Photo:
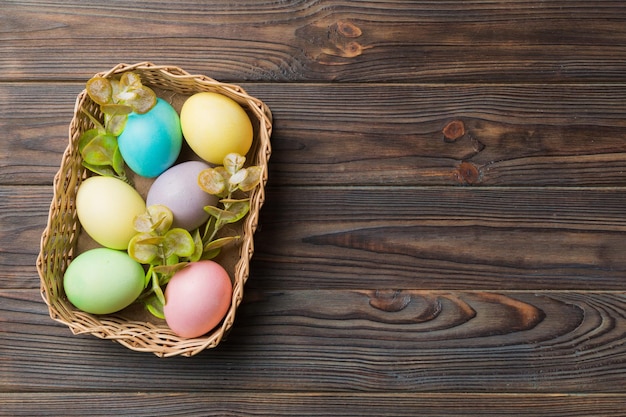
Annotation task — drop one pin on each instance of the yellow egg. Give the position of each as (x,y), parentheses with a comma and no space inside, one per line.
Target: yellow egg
(106,209)
(214,126)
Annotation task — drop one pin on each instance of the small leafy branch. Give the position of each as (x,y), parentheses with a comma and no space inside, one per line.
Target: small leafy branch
(166,250)
(117,98)
(226,182)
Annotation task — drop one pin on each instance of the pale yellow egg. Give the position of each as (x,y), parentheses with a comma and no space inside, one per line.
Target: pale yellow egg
(106,209)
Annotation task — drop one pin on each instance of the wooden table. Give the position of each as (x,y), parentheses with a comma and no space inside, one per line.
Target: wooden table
(445,226)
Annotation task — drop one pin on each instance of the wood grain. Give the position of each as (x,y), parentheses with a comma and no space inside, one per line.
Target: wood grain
(343,341)
(444,237)
(422,41)
(309,404)
(524,135)
(23,217)
(445,218)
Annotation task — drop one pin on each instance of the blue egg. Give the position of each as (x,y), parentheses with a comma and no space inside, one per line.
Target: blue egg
(151,142)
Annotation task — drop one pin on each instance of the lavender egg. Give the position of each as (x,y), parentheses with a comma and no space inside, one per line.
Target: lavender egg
(178,189)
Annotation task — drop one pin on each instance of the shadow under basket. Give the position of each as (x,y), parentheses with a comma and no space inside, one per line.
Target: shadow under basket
(62,239)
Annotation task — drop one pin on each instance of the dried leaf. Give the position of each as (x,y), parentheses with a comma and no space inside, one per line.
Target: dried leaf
(211,181)
(233,162)
(252,179)
(99,90)
(161,217)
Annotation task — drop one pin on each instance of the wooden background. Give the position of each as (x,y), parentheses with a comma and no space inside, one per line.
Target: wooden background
(399,269)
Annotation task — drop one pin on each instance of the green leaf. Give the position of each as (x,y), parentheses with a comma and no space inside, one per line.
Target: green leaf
(148,277)
(211,254)
(95,121)
(113,109)
(179,242)
(169,270)
(115,124)
(154,306)
(149,239)
(118,163)
(100,150)
(156,287)
(233,200)
(86,138)
(239,210)
(172,259)
(143,247)
(103,170)
(219,243)
(198,247)
(223,215)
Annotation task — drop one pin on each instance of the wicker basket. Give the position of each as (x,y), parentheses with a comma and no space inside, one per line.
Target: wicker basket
(62,239)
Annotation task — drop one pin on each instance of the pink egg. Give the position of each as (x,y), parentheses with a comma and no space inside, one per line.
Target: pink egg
(197,298)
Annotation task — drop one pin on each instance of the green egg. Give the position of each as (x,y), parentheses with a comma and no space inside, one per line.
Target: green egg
(103,281)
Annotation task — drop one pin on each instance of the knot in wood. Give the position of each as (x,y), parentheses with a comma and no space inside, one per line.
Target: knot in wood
(467,173)
(390,300)
(352,49)
(453,131)
(348,29)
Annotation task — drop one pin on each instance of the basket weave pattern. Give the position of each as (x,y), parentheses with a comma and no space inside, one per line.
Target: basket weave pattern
(59,239)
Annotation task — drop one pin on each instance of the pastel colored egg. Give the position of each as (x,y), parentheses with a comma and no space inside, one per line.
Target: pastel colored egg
(103,281)
(215,125)
(106,208)
(197,298)
(151,142)
(177,188)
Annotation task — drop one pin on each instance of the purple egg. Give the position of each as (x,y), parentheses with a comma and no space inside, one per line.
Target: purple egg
(178,189)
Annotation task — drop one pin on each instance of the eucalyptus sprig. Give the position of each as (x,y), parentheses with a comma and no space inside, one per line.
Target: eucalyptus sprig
(117,98)
(164,249)
(229,182)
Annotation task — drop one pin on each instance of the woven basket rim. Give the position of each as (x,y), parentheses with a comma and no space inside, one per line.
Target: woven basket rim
(59,237)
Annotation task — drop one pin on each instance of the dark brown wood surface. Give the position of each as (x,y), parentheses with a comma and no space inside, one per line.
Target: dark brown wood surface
(445,226)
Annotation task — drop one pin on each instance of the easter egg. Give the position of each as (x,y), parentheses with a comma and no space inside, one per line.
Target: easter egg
(151,142)
(214,126)
(177,188)
(103,281)
(106,208)
(197,298)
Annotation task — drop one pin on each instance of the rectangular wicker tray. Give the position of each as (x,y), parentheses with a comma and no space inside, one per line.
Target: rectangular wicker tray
(62,238)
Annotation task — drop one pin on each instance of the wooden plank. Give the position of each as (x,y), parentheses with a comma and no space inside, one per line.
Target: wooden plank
(35,120)
(403,237)
(308,404)
(23,217)
(422,41)
(441,238)
(526,135)
(345,341)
